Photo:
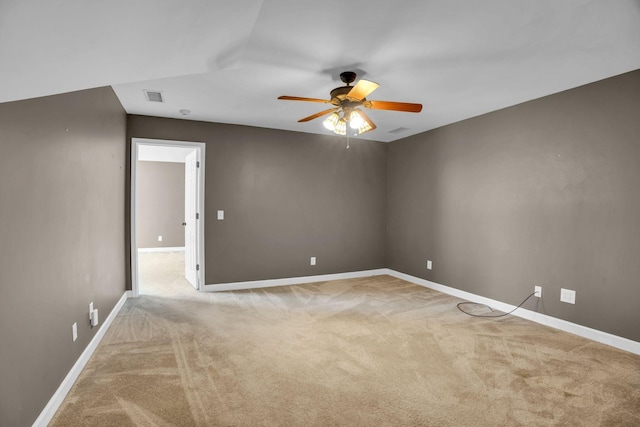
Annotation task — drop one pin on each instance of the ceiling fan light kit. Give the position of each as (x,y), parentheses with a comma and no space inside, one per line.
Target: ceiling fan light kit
(337,122)
(341,127)
(355,120)
(331,121)
(346,100)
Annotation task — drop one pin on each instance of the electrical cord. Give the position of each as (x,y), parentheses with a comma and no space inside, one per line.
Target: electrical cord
(485,315)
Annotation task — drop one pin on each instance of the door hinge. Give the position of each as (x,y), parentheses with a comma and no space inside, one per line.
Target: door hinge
(197,267)
(197,216)
(197,164)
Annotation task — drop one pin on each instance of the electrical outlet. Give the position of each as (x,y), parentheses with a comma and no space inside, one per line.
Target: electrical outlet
(159,238)
(90,310)
(568,296)
(429,265)
(94,318)
(74,331)
(313,260)
(538,291)
(220,215)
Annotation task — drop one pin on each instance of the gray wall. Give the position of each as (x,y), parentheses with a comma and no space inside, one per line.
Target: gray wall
(543,193)
(62,178)
(287,196)
(160,208)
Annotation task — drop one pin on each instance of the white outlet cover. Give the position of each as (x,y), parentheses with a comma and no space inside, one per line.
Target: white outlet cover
(74,331)
(94,317)
(220,215)
(313,260)
(538,291)
(159,238)
(568,296)
(429,265)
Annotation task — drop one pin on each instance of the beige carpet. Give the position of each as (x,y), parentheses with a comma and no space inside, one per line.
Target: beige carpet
(363,352)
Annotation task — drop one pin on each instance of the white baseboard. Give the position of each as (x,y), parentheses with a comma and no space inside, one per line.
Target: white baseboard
(254,284)
(563,325)
(56,400)
(593,334)
(167,249)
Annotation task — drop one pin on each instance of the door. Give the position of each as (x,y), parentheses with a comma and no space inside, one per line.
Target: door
(190,217)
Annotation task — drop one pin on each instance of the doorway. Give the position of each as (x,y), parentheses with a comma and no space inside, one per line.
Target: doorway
(191,155)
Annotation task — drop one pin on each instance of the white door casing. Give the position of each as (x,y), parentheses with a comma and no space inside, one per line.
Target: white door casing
(190,217)
(198,202)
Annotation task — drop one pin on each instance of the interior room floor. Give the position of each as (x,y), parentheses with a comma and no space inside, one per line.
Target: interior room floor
(162,274)
(358,352)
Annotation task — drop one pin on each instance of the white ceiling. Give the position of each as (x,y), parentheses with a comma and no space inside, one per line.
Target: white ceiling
(228,61)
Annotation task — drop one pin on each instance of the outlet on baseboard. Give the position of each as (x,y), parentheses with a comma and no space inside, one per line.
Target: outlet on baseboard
(538,291)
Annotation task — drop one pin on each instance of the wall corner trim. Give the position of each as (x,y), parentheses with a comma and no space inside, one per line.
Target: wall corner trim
(553,322)
(255,284)
(56,400)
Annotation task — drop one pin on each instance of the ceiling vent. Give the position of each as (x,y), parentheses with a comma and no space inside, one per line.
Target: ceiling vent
(398,130)
(153,95)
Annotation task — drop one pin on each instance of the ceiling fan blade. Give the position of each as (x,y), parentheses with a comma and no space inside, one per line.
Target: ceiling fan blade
(394,106)
(366,118)
(316,115)
(299,98)
(361,90)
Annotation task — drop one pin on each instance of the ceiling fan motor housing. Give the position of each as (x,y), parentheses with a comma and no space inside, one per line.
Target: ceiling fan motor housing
(341,92)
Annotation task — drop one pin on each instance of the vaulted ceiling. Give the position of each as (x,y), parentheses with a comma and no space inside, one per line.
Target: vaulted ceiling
(228,61)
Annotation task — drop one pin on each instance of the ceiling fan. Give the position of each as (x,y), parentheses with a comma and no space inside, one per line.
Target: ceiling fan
(347,101)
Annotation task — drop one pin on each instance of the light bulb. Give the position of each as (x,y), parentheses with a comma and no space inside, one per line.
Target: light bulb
(355,120)
(366,127)
(331,121)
